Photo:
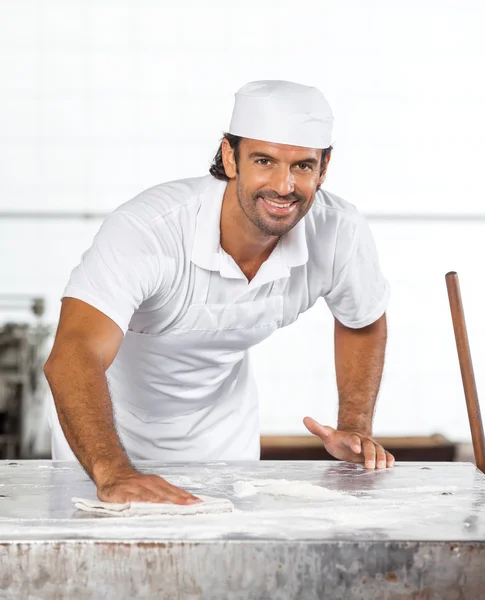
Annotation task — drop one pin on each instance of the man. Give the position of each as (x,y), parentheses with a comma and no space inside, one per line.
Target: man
(150,359)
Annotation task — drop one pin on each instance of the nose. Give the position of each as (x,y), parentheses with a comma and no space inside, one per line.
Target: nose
(283,182)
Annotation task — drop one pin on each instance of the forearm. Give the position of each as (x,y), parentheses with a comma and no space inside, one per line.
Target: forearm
(359,361)
(80,390)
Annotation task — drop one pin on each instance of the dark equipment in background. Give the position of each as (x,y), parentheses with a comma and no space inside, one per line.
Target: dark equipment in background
(23,393)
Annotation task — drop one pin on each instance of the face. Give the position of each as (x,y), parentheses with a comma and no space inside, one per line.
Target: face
(276,183)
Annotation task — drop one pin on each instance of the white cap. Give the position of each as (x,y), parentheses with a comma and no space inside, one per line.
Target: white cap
(282,112)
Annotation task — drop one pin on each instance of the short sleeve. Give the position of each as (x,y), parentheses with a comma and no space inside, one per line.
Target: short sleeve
(359,293)
(120,270)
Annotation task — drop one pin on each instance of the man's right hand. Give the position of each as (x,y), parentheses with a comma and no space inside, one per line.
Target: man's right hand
(131,486)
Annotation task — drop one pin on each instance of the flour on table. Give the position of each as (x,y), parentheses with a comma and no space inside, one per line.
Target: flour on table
(419,488)
(209,505)
(285,487)
(50,468)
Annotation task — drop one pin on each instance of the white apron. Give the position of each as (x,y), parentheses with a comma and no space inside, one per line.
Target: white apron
(188,393)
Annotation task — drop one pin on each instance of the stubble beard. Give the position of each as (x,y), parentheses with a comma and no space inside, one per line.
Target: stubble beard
(279,227)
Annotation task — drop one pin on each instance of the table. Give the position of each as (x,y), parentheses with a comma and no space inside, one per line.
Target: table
(414,531)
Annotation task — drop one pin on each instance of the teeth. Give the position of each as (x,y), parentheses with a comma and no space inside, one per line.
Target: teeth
(278,204)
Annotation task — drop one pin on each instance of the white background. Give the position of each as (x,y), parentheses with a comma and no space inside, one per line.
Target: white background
(102,99)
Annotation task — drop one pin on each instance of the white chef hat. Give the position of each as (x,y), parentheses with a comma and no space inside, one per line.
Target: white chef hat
(282,112)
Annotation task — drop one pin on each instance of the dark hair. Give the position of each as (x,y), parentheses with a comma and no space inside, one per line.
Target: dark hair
(217,167)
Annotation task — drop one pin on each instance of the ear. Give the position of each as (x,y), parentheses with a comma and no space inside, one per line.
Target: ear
(322,176)
(228,159)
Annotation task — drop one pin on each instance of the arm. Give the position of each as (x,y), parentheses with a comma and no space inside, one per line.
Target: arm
(359,361)
(86,344)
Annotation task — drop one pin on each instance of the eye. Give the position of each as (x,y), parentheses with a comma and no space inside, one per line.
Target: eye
(263,161)
(304,167)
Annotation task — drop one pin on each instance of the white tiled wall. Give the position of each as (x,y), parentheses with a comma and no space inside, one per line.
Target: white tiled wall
(101,99)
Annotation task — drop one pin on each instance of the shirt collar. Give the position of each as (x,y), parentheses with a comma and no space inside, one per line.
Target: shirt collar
(291,251)
(294,248)
(207,240)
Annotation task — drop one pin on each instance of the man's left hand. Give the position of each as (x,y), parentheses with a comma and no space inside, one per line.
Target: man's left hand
(351,445)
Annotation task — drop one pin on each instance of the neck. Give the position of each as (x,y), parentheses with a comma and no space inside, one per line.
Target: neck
(240,238)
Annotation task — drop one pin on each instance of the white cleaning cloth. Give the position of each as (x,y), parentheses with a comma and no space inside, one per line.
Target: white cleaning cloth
(139,509)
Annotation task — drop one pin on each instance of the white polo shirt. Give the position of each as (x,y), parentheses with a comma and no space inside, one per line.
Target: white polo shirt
(181,384)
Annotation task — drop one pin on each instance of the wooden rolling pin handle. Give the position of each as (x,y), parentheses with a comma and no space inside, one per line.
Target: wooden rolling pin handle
(466,368)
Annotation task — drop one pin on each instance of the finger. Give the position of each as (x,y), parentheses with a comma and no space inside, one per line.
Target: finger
(159,485)
(380,457)
(390,460)
(185,498)
(148,494)
(369,451)
(172,497)
(322,431)
(353,442)
(168,493)
(170,489)
(178,499)
(179,491)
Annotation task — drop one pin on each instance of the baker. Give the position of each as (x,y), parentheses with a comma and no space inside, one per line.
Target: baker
(150,359)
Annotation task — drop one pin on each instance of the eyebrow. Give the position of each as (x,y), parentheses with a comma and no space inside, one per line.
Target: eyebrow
(310,160)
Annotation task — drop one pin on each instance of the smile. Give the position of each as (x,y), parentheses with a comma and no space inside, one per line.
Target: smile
(279,203)
(278,208)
